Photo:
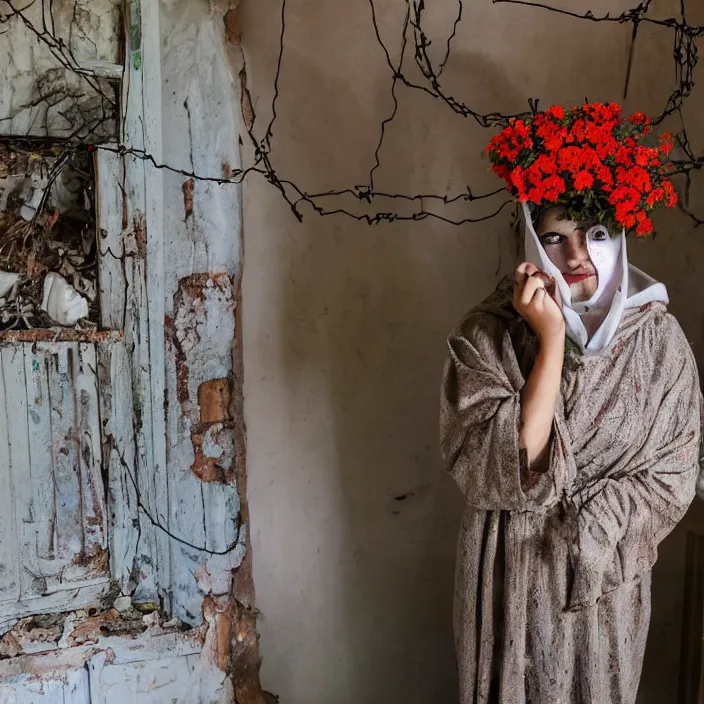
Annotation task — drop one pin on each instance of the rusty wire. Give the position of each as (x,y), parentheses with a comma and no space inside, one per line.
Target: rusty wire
(414,47)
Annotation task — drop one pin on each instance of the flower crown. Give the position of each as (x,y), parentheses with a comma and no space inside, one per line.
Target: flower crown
(589,159)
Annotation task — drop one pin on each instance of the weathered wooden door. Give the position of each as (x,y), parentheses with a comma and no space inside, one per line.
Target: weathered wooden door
(121,523)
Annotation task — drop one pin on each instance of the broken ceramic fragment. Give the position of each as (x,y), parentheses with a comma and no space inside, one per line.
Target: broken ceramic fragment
(62,302)
(7,280)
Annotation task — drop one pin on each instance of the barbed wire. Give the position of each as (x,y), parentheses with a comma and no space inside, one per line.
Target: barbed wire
(415,50)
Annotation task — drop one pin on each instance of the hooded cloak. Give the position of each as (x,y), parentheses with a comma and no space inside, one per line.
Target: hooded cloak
(552,591)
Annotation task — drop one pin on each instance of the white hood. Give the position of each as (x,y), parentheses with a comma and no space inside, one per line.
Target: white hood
(621,286)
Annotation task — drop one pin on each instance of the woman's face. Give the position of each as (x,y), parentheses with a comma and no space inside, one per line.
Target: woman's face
(565,242)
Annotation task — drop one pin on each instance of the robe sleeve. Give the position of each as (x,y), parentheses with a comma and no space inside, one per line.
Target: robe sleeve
(480,422)
(623,519)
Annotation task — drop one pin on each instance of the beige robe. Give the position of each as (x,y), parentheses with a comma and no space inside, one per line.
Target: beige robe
(552,595)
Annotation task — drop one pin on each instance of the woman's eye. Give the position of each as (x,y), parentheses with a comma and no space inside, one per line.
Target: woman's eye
(552,239)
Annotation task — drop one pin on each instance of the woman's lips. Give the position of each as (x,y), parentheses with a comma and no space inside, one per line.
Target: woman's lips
(576,278)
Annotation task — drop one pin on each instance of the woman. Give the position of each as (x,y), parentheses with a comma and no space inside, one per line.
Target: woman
(570,420)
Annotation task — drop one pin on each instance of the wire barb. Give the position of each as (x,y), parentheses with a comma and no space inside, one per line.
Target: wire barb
(412,38)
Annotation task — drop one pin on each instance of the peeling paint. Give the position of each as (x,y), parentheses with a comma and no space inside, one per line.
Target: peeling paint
(188,187)
(218,7)
(245,656)
(215,400)
(232,27)
(214,449)
(246,101)
(61,335)
(134,239)
(116,652)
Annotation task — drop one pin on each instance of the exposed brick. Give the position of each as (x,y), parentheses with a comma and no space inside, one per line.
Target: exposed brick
(214,399)
(232,27)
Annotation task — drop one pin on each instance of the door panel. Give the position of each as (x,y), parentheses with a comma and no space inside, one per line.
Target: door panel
(54,549)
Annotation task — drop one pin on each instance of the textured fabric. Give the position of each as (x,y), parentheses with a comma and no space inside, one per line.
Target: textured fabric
(552,600)
(621,286)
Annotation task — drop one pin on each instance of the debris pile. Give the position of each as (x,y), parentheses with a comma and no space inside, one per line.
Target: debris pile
(43,632)
(48,261)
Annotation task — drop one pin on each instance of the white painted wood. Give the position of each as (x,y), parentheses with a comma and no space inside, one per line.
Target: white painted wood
(171,680)
(113,284)
(101,69)
(50,438)
(152,668)
(47,692)
(89,28)
(199,133)
(9,545)
(152,558)
(68,518)
(170,492)
(154,216)
(206,511)
(119,458)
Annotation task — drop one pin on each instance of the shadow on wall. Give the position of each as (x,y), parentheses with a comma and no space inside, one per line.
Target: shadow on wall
(366,312)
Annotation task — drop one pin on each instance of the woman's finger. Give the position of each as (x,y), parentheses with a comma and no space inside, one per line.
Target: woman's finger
(523,271)
(531,286)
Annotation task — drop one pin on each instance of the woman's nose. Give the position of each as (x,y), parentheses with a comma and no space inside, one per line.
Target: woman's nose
(577,255)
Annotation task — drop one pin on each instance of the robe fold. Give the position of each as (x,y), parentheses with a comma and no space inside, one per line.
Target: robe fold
(552,590)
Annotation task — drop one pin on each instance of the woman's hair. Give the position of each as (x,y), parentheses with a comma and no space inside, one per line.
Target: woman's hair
(538,212)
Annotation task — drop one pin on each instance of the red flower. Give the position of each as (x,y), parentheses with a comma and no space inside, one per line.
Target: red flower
(607,147)
(603,173)
(520,129)
(629,221)
(655,196)
(553,136)
(645,227)
(623,156)
(554,188)
(644,155)
(535,195)
(588,149)
(626,196)
(583,180)
(502,171)
(518,179)
(639,118)
(579,130)
(670,193)
(636,176)
(556,112)
(570,159)
(546,164)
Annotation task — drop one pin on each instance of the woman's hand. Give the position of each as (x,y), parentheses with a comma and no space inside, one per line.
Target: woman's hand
(536,300)
(533,301)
